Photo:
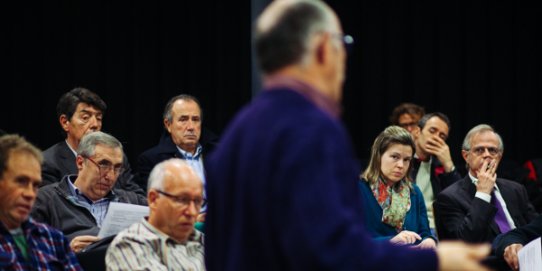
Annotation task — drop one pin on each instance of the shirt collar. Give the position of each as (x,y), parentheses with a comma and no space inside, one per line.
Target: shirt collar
(189,154)
(195,235)
(76,192)
(70,147)
(309,92)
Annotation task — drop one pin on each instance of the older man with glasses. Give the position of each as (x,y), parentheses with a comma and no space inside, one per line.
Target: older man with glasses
(77,205)
(481,206)
(166,239)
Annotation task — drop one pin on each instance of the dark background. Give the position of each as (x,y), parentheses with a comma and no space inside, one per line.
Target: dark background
(477,62)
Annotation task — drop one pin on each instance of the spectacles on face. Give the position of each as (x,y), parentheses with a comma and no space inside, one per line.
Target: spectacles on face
(106,166)
(481,150)
(183,201)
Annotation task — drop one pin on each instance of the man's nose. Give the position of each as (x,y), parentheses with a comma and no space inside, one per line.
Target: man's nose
(29,192)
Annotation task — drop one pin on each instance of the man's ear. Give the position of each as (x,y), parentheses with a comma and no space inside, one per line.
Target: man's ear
(465,155)
(167,124)
(152,196)
(323,47)
(64,122)
(79,162)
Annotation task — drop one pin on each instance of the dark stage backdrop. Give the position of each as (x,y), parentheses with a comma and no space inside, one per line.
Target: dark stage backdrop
(477,61)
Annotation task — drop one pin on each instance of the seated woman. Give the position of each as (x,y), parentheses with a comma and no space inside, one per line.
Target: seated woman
(393,204)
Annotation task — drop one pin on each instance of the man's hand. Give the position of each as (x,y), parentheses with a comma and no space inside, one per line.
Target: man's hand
(437,146)
(405,238)
(487,176)
(81,242)
(459,256)
(511,255)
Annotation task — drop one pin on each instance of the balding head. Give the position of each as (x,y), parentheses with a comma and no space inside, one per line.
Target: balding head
(175,196)
(284,30)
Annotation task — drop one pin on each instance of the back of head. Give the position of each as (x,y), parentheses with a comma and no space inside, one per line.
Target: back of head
(391,135)
(406,108)
(67,104)
(90,141)
(15,143)
(283,32)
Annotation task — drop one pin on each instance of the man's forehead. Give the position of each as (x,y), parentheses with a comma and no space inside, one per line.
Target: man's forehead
(103,151)
(88,108)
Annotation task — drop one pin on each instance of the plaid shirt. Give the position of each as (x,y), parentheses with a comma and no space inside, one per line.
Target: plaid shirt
(48,249)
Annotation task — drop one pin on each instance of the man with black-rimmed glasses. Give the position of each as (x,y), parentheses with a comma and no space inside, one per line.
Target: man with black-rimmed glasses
(77,205)
(166,239)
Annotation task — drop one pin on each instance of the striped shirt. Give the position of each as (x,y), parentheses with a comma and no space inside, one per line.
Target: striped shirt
(48,249)
(143,247)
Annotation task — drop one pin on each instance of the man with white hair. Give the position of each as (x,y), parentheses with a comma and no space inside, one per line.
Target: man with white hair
(166,239)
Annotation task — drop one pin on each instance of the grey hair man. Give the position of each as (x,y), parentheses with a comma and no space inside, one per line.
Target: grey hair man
(77,205)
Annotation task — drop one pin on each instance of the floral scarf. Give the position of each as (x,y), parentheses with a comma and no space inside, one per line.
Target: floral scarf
(394,200)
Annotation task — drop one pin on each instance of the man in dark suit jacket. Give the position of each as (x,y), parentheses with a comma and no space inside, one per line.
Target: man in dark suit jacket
(481,206)
(433,169)
(182,120)
(80,111)
(508,245)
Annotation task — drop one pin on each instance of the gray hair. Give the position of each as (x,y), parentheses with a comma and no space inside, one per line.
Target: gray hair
(185,97)
(283,33)
(158,173)
(89,141)
(480,128)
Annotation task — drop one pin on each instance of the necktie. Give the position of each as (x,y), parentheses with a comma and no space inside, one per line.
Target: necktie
(500,217)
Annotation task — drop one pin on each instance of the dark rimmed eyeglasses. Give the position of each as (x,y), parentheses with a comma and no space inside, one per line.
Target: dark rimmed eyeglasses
(183,201)
(106,166)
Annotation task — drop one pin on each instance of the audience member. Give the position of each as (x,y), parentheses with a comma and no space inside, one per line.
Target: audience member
(407,115)
(481,206)
(394,208)
(433,169)
(24,243)
(182,119)
(77,205)
(166,239)
(79,111)
(282,184)
(509,244)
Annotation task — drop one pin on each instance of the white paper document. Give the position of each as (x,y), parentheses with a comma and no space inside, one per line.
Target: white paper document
(530,256)
(120,216)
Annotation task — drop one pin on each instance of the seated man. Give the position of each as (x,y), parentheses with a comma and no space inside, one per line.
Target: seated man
(434,169)
(166,239)
(79,111)
(25,244)
(182,120)
(481,206)
(77,205)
